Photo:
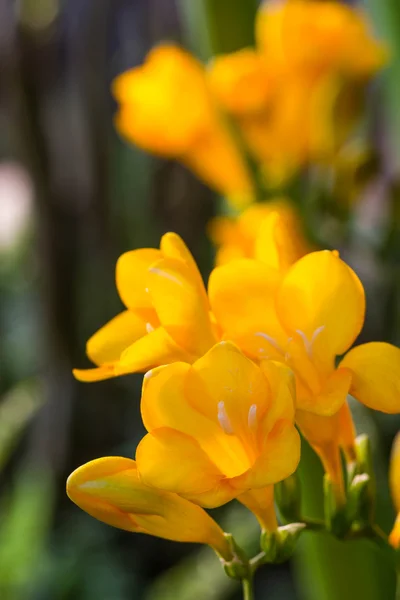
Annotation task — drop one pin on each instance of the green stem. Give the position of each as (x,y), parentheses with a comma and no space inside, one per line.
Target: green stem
(248,590)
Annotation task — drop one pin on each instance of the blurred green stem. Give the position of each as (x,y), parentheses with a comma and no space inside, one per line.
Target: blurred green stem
(248,591)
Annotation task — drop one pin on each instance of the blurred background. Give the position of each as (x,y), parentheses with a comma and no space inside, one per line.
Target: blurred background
(73,197)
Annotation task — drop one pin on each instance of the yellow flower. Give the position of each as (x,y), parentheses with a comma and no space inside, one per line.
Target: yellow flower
(218,428)
(297,96)
(318,38)
(269,232)
(166,108)
(305,319)
(109,489)
(167,316)
(394,482)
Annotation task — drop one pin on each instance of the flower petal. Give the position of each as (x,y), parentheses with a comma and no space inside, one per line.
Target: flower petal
(181,305)
(154,349)
(279,458)
(321,291)
(110,490)
(173,461)
(261,503)
(98,374)
(228,388)
(375,371)
(331,397)
(107,344)
(131,276)
(394,473)
(242,297)
(169,400)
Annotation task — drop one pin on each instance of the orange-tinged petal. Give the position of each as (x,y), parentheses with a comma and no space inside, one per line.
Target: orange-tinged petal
(275,243)
(394,472)
(173,461)
(110,490)
(331,397)
(241,81)
(394,537)
(322,433)
(226,385)
(347,433)
(279,458)
(98,374)
(242,299)
(261,503)
(169,400)
(375,369)
(154,349)
(283,393)
(181,305)
(108,343)
(320,293)
(131,276)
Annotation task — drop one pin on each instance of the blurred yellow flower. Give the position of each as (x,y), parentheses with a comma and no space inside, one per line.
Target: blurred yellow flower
(297,96)
(218,428)
(270,232)
(318,38)
(166,108)
(109,489)
(167,316)
(394,483)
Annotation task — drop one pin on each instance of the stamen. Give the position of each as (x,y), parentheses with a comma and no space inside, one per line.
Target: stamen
(252,417)
(224,419)
(308,344)
(166,275)
(270,340)
(149,327)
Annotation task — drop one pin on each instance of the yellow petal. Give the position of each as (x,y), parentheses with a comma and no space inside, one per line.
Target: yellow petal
(242,297)
(347,433)
(241,81)
(170,398)
(110,490)
(375,371)
(279,458)
(108,343)
(98,374)
(154,349)
(261,503)
(227,387)
(173,461)
(181,305)
(173,246)
(283,393)
(323,434)
(321,296)
(394,537)
(276,245)
(131,276)
(331,397)
(394,472)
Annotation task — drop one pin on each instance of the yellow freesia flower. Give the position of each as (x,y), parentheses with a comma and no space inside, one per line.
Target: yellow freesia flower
(218,428)
(297,96)
(318,38)
(306,319)
(167,316)
(269,232)
(166,108)
(394,484)
(109,489)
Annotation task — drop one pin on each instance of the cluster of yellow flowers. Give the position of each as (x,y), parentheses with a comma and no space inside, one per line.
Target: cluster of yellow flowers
(232,370)
(293,99)
(229,371)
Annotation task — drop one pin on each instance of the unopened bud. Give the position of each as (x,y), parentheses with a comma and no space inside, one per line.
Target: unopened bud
(336,520)
(288,498)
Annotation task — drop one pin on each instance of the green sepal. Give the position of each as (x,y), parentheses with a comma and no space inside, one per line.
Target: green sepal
(279,545)
(239,566)
(288,498)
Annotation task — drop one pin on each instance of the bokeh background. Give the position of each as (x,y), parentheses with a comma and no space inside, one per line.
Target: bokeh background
(73,197)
